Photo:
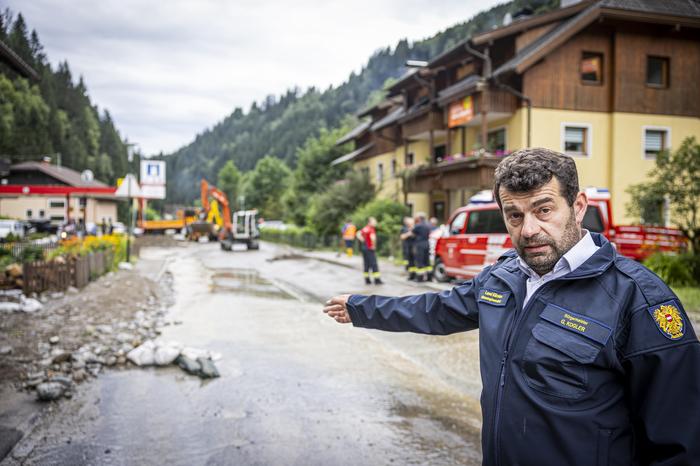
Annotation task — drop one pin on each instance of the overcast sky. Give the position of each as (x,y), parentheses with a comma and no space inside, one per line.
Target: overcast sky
(166,70)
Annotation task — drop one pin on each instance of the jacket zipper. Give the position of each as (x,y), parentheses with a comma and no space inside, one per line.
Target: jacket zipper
(504,360)
(502,377)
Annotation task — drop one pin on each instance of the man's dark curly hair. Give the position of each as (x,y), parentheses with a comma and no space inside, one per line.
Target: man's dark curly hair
(529,169)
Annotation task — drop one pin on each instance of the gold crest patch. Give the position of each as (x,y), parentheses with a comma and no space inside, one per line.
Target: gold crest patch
(668,319)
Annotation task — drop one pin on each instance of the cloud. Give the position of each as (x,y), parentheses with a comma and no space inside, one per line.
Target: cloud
(167,70)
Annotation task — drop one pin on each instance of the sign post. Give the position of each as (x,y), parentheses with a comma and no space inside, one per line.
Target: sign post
(153,179)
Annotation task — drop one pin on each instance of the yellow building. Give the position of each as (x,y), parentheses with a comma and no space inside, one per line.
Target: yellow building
(610,83)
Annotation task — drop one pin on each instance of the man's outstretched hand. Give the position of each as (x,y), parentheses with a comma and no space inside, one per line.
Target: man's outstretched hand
(337,309)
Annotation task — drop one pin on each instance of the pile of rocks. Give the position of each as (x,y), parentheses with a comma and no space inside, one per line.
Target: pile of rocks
(159,353)
(105,345)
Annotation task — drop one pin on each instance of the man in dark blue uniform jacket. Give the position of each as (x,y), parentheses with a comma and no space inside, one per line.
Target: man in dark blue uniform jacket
(587,358)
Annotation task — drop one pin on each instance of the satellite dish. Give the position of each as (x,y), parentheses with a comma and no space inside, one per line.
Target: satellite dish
(87,176)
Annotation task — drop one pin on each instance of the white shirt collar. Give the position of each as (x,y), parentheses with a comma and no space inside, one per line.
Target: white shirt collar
(571,260)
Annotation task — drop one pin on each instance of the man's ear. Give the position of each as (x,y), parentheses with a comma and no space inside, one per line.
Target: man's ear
(580,206)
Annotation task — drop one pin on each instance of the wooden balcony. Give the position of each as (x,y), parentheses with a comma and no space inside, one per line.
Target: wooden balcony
(418,125)
(474,172)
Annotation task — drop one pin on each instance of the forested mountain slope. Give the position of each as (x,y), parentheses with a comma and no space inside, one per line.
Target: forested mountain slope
(280,125)
(55,115)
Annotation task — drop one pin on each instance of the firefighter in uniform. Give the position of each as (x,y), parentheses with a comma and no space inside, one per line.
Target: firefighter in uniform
(368,243)
(586,356)
(349,231)
(421,244)
(407,238)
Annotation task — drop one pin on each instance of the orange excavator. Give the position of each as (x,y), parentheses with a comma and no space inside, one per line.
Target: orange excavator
(215,216)
(217,223)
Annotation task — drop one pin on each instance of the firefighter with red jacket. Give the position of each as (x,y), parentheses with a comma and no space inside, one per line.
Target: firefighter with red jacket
(368,244)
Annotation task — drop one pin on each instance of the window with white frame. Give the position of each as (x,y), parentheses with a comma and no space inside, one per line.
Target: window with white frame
(393,168)
(655,140)
(576,139)
(380,172)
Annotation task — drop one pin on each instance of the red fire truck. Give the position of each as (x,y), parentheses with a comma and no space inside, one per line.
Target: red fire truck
(476,235)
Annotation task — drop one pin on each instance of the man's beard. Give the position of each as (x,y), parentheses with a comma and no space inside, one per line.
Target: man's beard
(544,262)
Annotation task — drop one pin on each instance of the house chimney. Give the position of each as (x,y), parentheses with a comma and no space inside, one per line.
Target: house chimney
(507,19)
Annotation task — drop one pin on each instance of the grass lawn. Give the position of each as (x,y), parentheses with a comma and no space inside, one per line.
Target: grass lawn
(690,297)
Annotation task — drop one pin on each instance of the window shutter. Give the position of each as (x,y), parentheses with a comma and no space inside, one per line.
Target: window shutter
(573,134)
(653,141)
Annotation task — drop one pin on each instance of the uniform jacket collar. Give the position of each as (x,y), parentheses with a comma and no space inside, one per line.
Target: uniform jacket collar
(598,263)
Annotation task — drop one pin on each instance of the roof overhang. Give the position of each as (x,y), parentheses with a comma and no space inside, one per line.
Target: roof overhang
(16,62)
(529,23)
(386,103)
(351,155)
(29,190)
(566,30)
(393,117)
(356,132)
(461,88)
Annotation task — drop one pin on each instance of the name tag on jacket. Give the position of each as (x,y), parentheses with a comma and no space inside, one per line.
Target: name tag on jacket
(493,297)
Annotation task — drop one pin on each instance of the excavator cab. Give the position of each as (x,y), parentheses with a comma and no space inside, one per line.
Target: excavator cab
(244,229)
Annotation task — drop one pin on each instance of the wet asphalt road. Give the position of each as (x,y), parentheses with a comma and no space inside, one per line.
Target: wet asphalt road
(295,387)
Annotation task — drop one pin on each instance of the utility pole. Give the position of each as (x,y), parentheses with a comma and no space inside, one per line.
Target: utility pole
(130,159)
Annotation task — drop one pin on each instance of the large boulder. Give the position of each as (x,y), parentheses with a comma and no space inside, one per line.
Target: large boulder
(143,355)
(49,391)
(207,368)
(188,365)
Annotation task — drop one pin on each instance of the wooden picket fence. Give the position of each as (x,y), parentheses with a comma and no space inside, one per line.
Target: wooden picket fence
(58,276)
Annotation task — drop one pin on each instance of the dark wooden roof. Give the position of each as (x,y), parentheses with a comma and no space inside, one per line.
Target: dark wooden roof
(11,58)
(62,174)
(458,89)
(686,12)
(357,131)
(530,22)
(352,155)
(383,105)
(394,116)
(688,8)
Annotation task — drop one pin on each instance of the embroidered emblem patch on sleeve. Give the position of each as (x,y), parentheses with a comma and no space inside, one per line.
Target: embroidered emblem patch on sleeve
(668,319)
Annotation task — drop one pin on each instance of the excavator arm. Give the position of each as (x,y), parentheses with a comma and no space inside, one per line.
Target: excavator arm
(223,202)
(210,191)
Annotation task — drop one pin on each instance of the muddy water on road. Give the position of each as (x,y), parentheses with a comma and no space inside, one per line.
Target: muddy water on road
(245,282)
(295,388)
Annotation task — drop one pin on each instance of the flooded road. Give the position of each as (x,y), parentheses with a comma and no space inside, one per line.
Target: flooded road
(295,387)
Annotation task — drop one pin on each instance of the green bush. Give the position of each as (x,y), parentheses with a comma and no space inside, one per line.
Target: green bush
(328,210)
(389,215)
(31,254)
(675,270)
(11,238)
(5,261)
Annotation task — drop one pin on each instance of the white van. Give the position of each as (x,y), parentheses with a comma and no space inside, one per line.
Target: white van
(11,226)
